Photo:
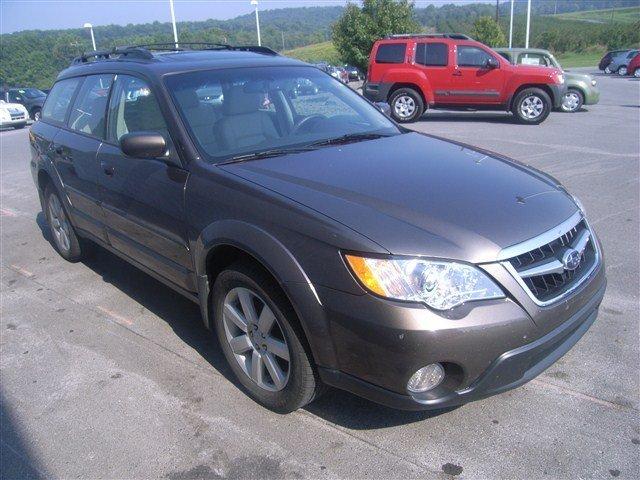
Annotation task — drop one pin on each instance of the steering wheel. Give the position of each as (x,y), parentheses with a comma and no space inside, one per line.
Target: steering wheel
(306,122)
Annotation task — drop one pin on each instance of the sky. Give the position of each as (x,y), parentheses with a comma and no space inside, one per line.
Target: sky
(16,15)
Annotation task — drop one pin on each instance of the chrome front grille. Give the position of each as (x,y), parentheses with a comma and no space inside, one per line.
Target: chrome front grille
(552,269)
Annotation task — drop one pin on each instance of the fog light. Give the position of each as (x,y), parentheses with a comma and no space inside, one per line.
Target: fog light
(426,378)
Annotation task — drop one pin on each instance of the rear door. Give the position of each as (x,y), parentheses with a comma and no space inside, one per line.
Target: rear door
(143,199)
(474,82)
(76,147)
(433,58)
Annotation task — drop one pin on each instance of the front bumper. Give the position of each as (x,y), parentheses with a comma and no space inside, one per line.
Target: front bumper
(14,122)
(592,96)
(494,345)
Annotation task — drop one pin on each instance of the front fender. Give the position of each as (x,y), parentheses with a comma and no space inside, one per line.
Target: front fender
(283,266)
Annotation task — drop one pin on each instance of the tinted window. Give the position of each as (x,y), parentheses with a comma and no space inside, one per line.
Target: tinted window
(134,108)
(59,100)
(506,56)
(391,53)
(472,56)
(432,54)
(90,108)
(13,96)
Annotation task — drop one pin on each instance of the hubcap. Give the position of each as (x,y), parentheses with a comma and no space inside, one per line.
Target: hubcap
(256,339)
(622,71)
(570,101)
(637,73)
(36,116)
(532,107)
(404,106)
(59,224)
(607,70)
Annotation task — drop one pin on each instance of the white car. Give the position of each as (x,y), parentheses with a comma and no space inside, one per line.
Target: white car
(13,115)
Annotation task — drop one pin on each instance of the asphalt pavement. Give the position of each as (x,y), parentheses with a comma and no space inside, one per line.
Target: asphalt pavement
(106,373)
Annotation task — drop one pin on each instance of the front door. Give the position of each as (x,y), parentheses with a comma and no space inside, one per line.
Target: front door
(142,199)
(473,81)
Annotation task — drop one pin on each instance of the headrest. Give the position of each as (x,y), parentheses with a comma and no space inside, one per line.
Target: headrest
(188,98)
(237,101)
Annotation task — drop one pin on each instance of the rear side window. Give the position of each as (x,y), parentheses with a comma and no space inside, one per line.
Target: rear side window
(391,53)
(472,56)
(432,54)
(134,108)
(90,108)
(59,100)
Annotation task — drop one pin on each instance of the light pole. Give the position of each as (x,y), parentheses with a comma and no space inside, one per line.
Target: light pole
(511,26)
(526,43)
(93,39)
(255,4)
(173,22)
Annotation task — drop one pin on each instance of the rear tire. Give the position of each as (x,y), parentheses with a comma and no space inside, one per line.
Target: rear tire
(607,70)
(65,240)
(296,382)
(622,71)
(572,101)
(531,106)
(406,105)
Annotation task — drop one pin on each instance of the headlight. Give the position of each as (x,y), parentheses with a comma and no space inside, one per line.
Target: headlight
(579,204)
(560,78)
(439,284)
(594,82)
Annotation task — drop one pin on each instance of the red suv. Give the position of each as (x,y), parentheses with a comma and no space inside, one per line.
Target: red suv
(416,72)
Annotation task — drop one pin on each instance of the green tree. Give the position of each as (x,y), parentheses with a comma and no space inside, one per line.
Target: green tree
(357,29)
(487,31)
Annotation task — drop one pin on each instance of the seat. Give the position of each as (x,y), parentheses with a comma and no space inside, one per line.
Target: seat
(200,116)
(243,124)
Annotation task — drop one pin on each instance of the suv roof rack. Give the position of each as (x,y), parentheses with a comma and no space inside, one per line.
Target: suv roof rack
(456,36)
(144,51)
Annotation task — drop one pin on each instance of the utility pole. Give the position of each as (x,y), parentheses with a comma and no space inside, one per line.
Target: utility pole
(282,33)
(497,11)
(173,21)
(511,26)
(526,43)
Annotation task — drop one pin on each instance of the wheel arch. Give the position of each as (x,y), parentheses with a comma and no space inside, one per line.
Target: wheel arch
(228,241)
(541,86)
(414,86)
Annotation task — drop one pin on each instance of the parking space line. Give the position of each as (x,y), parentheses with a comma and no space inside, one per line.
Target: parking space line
(115,316)
(22,271)
(7,212)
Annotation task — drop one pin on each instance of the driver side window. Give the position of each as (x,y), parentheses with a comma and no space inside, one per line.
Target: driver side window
(468,56)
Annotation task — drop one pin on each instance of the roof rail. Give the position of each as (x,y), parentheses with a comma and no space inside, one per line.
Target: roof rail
(456,36)
(143,52)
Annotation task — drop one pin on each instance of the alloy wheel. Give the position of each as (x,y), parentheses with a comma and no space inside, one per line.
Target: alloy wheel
(622,71)
(36,115)
(256,339)
(532,107)
(404,106)
(570,102)
(59,224)
(607,70)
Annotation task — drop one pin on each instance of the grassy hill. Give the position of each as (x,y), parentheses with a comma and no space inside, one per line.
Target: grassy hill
(620,15)
(317,52)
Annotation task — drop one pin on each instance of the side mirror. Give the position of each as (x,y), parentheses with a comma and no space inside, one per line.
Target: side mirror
(492,63)
(143,145)
(383,107)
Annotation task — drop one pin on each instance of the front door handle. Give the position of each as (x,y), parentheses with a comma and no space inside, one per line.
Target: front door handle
(457,73)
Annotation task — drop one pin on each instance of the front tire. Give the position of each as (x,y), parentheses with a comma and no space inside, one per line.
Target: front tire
(259,334)
(622,71)
(531,106)
(64,236)
(636,73)
(572,101)
(36,113)
(406,105)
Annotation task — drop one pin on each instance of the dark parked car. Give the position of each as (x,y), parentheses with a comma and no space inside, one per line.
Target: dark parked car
(324,243)
(31,98)
(607,57)
(354,73)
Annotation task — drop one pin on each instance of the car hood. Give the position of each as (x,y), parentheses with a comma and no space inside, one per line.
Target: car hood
(577,77)
(414,194)
(12,106)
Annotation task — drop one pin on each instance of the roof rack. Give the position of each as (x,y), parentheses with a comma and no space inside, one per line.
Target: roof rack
(144,51)
(456,36)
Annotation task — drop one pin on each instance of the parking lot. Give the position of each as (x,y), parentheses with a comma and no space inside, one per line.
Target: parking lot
(106,373)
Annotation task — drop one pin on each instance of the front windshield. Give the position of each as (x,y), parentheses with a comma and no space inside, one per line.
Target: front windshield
(32,92)
(241,111)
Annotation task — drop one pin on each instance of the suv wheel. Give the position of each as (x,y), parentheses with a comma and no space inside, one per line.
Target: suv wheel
(64,236)
(607,70)
(637,73)
(531,106)
(406,105)
(35,114)
(572,101)
(258,333)
(622,71)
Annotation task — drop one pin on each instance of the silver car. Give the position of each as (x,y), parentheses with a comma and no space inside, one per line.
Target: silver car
(620,62)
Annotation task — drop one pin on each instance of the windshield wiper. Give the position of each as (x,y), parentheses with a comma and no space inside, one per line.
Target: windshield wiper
(275,152)
(349,138)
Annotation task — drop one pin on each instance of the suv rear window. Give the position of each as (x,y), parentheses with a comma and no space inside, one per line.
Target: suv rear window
(391,53)
(432,54)
(59,100)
